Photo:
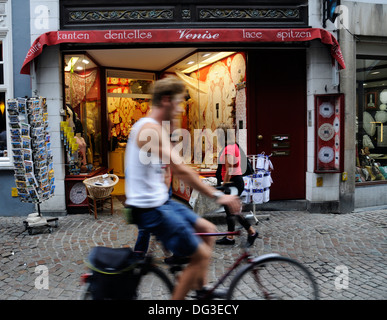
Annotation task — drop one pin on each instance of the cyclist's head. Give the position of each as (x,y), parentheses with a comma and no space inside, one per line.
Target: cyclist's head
(169,86)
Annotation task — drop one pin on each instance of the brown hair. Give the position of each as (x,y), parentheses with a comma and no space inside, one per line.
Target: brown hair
(169,86)
(225,127)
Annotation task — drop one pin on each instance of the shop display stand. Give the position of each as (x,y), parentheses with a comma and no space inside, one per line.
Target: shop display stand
(32,157)
(257,167)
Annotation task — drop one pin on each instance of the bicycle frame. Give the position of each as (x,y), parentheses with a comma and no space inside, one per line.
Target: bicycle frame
(245,256)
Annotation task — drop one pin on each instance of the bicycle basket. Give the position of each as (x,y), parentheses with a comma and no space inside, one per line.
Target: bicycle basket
(114,273)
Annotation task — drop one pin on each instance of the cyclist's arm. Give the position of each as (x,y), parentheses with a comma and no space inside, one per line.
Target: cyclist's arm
(158,143)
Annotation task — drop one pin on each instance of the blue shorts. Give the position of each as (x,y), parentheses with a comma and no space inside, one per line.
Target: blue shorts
(172,224)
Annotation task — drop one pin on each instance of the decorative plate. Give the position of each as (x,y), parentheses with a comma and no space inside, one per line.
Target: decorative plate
(381,116)
(326,154)
(368,124)
(383,96)
(326,110)
(326,132)
(336,124)
(337,142)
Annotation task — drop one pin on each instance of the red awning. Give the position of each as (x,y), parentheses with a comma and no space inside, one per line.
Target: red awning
(182,36)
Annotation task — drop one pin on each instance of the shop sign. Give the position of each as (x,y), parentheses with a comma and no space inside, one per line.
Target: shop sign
(182,35)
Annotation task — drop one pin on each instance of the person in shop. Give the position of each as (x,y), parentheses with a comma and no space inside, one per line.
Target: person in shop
(229,174)
(147,196)
(76,124)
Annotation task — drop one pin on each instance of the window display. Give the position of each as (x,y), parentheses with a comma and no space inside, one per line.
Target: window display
(3,127)
(216,84)
(83,110)
(128,100)
(216,94)
(371,160)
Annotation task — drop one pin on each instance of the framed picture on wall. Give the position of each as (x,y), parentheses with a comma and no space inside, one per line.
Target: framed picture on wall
(371,100)
(329,133)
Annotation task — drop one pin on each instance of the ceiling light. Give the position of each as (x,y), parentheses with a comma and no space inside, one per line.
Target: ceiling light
(376,72)
(212,59)
(71,63)
(79,68)
(85,61)
(190,62)
(206,54)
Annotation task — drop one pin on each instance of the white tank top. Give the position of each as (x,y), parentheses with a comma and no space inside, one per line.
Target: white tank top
(144,173)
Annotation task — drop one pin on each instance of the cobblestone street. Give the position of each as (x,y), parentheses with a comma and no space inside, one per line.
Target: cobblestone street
(324,242)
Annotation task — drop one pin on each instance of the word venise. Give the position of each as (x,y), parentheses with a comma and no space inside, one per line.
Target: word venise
(189,35)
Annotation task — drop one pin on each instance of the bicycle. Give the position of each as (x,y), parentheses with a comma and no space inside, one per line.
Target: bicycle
(268,277)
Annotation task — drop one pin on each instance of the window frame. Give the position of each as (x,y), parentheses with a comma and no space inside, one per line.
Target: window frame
(6,163)
(366,57)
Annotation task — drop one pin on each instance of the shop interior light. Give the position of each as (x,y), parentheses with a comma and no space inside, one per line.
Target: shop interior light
(376,72)
(85,61)
(208,61)
(79,68)
(190,62)
(71,63)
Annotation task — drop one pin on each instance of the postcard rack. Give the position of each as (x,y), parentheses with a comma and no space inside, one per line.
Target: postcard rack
(32,156)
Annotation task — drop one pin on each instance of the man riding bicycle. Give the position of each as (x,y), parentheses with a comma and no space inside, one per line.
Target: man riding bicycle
(148,151)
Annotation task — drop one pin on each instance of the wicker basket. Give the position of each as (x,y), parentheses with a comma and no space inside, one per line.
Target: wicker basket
(98,191)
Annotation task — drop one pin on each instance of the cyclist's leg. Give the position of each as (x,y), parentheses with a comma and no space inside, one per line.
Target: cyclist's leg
(176,231)
(194,275)
(142,243)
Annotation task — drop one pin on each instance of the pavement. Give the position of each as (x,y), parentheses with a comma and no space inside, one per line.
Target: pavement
(48,265)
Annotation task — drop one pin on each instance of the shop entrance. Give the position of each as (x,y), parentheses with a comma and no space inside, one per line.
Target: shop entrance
(261,91)
(277,117)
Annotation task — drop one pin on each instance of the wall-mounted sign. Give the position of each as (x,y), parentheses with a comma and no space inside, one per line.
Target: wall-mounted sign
(329,133)
(182,35)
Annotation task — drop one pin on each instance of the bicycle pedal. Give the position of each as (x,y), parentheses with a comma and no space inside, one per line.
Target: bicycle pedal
(175,269)
(206,294)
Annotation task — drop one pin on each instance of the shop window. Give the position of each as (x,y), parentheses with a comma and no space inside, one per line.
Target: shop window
(1,64)
(3,126)
(83,108)
(3,117)
(371,158)
(128,100)
(215,83)
(216,93)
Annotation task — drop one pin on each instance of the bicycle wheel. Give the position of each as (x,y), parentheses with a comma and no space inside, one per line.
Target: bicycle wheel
(154,285)
(272,277)
(85,293)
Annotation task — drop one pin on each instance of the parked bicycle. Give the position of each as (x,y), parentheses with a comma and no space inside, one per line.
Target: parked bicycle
(117,274)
